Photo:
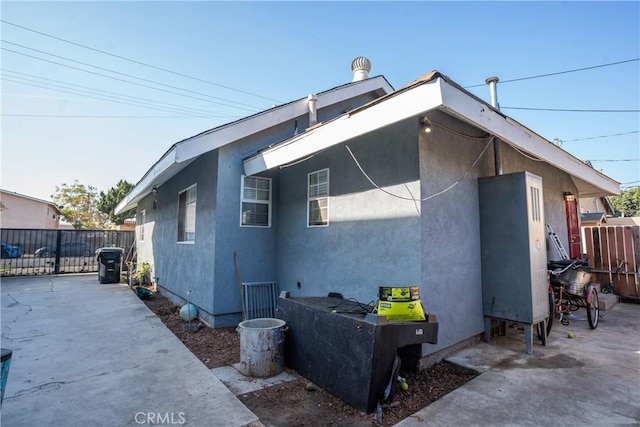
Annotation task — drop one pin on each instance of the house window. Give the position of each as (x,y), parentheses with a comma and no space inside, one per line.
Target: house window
(187,215)
(318,198)
(141,220)
(256,202)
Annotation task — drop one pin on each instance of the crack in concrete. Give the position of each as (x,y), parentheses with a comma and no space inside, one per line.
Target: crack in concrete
(13,304)
(57,385)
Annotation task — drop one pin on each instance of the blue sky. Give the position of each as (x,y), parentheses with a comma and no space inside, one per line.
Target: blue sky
(257,54)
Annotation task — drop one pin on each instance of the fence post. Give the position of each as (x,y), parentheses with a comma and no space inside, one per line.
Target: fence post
(56,267)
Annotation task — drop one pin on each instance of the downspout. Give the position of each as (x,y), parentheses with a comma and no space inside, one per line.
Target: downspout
(497,147)
(313,113)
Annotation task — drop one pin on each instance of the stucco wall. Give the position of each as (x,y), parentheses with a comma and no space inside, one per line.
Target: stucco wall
(179,266)
(372,238)
(207,266)
(451,276)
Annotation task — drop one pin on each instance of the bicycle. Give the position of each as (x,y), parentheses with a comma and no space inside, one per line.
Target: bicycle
(610,286)
(569,289)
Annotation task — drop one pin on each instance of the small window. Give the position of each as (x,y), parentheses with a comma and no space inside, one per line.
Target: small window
(141,221)
(187,215)
(256,202)
(318,198)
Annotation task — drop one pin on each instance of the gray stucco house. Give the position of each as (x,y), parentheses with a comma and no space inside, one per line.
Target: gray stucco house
(354,188)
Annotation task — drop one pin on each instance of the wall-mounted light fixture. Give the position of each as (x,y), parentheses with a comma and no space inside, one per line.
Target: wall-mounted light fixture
(154,190)
(425,123)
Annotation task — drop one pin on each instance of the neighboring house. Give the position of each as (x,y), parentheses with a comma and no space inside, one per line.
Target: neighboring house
(594,219)
(20,211)
(129,225)
(364,198)
(596,205)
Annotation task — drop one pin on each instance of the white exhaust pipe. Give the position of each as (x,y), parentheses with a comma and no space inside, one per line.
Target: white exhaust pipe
(497,149)
(313,113)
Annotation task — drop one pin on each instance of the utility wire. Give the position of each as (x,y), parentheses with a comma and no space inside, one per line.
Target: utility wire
(101,117)
(428,197)
(137,62)
(569,110)
(598,137)
(100,92)
(253,107)
(104,98)
(614,160)
(122,80)
(539,76)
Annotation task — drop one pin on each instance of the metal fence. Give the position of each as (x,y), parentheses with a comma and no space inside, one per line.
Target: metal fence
(26,252)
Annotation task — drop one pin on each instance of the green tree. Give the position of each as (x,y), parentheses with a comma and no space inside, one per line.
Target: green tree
(110,200)
(78,204)
(628,202)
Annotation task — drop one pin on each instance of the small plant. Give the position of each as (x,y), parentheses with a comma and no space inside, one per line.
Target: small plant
(140,272)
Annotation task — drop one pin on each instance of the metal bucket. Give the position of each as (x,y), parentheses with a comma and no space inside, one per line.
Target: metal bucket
(261,347)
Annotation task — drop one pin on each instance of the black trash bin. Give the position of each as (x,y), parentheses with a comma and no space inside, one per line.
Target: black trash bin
(110,262)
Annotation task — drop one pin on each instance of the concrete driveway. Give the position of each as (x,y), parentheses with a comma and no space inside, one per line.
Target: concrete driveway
(590,380)
(86,354)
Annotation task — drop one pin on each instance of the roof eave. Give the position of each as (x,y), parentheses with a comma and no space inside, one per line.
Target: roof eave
(347,126)
(187,150)
(431,93)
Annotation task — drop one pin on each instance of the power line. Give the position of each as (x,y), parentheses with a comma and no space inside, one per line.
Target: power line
(102,98)
(598,137)
(92,92)
(122,80)
(137,62)
(569,110)
(132,76)
(561,72)
(614,160)
(101,117)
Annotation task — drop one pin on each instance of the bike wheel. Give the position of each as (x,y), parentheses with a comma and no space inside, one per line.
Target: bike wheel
(539,327)
(593,310)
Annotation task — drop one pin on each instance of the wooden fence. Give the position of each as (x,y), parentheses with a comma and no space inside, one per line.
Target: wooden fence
(611,247)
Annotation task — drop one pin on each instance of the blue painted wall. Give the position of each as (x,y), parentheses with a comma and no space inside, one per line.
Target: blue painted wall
(207,267)
(372,239)
(451,274)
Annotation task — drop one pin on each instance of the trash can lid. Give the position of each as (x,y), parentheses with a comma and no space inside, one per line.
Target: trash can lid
(109,249)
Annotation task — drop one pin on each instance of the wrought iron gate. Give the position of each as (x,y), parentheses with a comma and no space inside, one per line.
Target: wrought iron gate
(26,252)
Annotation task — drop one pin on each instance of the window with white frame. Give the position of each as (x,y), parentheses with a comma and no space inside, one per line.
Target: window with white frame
(255,208)
(141,221)
(318,198)
(187,214)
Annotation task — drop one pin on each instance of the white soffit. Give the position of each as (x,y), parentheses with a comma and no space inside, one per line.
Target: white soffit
(184,152)
(469,109)
(197,146)
(415,101)
(396,108)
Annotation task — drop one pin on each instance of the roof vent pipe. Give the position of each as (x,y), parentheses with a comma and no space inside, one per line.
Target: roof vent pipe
(497,149)
(313,113)
(360,68)
(492,82)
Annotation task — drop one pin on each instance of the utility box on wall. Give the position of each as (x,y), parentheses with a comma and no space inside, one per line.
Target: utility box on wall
(514,253)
